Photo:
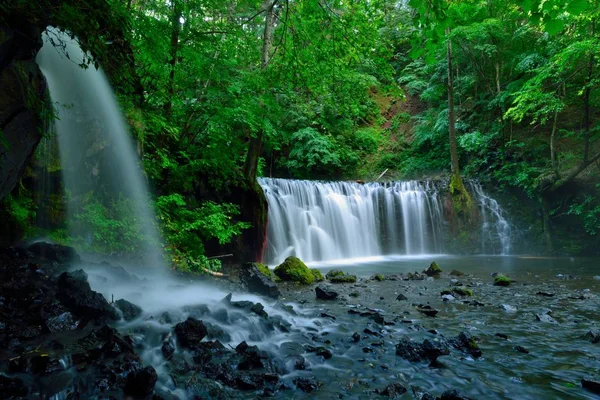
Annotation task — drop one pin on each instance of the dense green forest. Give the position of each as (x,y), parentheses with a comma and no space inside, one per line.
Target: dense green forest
(220,92)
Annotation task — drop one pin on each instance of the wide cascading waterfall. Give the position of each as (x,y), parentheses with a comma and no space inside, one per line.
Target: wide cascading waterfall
(98,159)
(319,221)
(323,221)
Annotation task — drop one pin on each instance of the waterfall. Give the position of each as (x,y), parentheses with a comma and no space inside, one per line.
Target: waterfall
(98,159)
(320,221)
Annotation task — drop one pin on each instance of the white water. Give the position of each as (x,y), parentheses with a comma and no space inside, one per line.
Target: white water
(325,221)
(97,155)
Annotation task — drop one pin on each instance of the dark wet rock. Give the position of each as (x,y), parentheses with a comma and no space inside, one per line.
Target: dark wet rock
(415,352)
(298,362)
(427,310)
(141,383)
(12,387)
(502,336)
(591,384)
(593,336)
(454,395)
(307,384)
(55,252)
(323,352)
(130,311)
(392,390)
(61,322)
(474,303)
(259,310)
(545,318)
(356,337)
(373,333)
(252,357)
(455,272)
(285,307)
(521,349)
(190,333)
(325,315)
(221,315)
(448,297)
(75,293)
(466,343)
(545,294)
(419,394)
(434,270)
(291,348)
(325,293)
(401,297)
(167,349)
(257,282)
(336,276)
(415,276)
(459,291)
(216,332)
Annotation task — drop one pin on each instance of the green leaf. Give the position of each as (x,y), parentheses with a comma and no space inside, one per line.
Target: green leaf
(554,26)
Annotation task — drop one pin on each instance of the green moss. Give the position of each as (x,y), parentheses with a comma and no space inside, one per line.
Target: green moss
(317,274)
(433,270)
(462,291)
(501,280)
(333,273)
(264,270)
(378,277)
(337,276)
(294,270)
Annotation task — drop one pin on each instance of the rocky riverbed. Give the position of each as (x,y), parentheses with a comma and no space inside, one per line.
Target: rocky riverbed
(72,329)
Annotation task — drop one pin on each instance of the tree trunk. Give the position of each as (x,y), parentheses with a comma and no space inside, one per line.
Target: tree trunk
(175,31)
(255,143)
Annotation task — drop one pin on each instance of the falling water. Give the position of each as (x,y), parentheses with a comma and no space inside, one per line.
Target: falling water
(320,221)
(97,155)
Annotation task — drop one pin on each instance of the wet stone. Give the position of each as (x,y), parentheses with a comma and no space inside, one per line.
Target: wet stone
(591,385)
(324,293)
(306,384)
(401,297)
(141,383)
(190,333)
(427,310)
(167,349)
(466,343)
(415,352)
(257,282)
(392,390)
(62,322)
(454,395)
(356,337)
(545,318)
(521,349)
(593,336)
(130,311)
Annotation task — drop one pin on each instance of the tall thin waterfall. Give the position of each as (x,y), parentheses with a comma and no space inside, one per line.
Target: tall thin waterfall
(97,155)
(319,221)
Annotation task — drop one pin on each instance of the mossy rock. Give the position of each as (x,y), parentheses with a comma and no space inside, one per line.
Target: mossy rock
(333,273)
(433,270)
(317,274)
(265,270)
(294,270)
(456,272)
(378,277)
(502,280)
(462,291)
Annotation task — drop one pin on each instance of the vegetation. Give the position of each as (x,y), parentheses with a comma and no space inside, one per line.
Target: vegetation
(217,93)
(501,280)
(337,276)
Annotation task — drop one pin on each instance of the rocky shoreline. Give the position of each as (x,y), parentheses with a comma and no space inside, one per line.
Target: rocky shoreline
(423,335)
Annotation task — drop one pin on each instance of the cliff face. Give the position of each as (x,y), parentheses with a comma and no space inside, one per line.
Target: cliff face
(24,104)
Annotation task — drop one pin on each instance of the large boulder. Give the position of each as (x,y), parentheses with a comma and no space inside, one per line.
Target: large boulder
(130,311)
(190,333)
(74,292)
(294,270)
(141,383)
(55,252)
(258,282)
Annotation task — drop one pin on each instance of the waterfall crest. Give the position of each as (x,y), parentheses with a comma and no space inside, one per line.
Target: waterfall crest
(321,221)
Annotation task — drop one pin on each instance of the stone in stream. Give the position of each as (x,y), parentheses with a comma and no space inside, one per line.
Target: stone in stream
(415,352)
(545,294)
(336,276)
(307,384)
(325,293)
(257,282)
(508,308)
(502,280)
(466,343)
(140,383)
(427,310)
(521,349)
(456,272)
(502,336)
(392,390)
(190,333)
(593,336)
(454,395)
(545,318)
(167,349)
(130,311)
(356,337)
(591,385)
(401,297)
(433,270)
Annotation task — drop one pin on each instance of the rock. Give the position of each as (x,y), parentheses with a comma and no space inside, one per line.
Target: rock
(508,308)
(501,280)
(62,322)
(294,270)
(545,318)
(317,274)
(323,352)
(401,297)
(190,333)
(75,294)
(140,383)
(356,337)
(336,276)
(545,294)
(378,277)
(324,293)
(12,387)
(415,352)
(502,336)
(354,294)
(455,272)
(55,252)
(392,390)
(593,336)
(521,349)
(433,270)
(130,311)
(589,384)
(466,343)
(307,384)
(167,349)
(427,310)
(419,394)
(216,332)
(259,310)
(454,395)
(448,297)
(256,280)
(462,291)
